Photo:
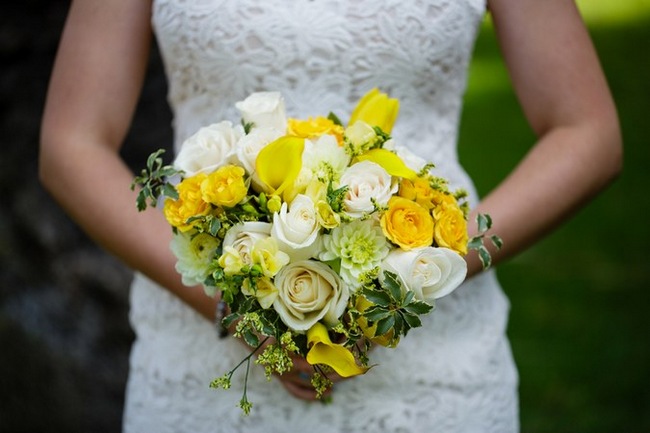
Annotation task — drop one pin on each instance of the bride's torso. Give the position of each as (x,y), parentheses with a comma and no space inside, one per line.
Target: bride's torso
(322,55)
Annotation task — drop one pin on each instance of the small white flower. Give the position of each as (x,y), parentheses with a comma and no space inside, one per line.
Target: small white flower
(208,149)
(366,182)
(412,161)
(309,291)
(360,245)
(194,254)
(325,159)
(429,272)
(296,228)
(264,110)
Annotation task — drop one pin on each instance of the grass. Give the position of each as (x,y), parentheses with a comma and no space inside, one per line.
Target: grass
(579,298)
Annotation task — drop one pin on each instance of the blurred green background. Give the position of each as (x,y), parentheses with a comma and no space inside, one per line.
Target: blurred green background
(579,319)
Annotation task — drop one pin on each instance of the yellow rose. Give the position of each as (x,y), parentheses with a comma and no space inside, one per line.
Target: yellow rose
(315,127)
(225,187)
(189,204)
(419,191)
(450,228)
(407,224)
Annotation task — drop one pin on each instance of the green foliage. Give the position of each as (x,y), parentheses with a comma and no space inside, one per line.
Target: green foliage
(153,181)
(394,309)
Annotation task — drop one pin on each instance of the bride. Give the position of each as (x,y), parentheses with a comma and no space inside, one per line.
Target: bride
(456,373)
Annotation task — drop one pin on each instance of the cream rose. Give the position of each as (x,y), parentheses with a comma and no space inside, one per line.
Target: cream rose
(366,181)
(250,145)
(242,237)
(429,272)
(264,110)
(208,149)
(296,228)
(308,292)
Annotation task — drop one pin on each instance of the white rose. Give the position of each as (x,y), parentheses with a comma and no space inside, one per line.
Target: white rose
(264,110)
(308,292)
(208,149)
(366,181)
(296,228)
(242,237)
(429,272)
(249,146)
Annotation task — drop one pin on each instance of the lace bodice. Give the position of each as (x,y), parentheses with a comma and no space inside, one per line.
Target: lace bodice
(455,372)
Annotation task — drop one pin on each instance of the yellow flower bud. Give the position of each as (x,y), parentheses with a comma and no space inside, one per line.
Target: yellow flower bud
(274,204)
(376,109)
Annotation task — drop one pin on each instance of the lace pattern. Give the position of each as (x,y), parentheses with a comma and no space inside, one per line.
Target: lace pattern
(456,372)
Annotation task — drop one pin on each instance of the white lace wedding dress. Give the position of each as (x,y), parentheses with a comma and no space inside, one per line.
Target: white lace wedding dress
(455,374)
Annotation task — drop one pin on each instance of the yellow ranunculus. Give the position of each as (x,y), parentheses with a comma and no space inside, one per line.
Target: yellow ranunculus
(278,164)
(189,204)
(323,351)
(389,161)
(225,187)
(376,109)
(419,191)
(407,224)
(386,340)
(314,127)
(450,228)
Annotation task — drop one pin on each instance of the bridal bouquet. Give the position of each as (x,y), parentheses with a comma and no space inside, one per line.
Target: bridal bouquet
(321,239)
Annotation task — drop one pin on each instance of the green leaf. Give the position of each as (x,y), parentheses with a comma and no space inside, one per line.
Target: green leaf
(215,226)
(475,243)
(484,255)
(412,320)
(251,338)
(418,307)
(170,191)
(385,325)
(496,241)
(392,284)
(334,118)
(377,297)
(375,314)
(484,222)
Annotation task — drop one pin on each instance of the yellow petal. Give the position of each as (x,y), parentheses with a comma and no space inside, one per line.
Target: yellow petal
(390,162)
(278,163)
(376,109)
(323,351)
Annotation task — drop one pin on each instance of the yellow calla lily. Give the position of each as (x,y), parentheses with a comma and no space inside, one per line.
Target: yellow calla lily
(376,109)
(390,162)
(279,162)
(323,351)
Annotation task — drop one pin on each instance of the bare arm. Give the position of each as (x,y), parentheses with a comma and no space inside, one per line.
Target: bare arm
(93,92)
(561,87)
